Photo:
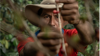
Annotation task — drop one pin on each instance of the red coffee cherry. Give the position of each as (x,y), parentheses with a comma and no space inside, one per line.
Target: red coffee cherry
(55,11)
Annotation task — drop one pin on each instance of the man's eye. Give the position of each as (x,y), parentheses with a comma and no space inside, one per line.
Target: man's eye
(46,17)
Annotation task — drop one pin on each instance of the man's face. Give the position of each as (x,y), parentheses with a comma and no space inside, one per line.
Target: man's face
(50,18)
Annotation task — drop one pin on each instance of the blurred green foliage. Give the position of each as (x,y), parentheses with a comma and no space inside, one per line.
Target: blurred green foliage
(8,43)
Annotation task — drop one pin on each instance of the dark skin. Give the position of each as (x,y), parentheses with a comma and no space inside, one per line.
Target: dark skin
(68,13)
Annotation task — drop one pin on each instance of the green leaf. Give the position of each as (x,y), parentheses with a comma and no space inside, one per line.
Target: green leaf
(15,42)
(1,45)
(99,49)
(4,50)
(6,44)
(29,2)
(88,49)
(21,1)
(8,37)
(2,41)
(0,19)
(1,52)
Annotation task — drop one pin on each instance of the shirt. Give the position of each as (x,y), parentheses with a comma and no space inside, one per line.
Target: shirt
(69,32)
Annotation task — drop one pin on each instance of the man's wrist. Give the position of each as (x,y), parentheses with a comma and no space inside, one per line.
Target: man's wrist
(79,22)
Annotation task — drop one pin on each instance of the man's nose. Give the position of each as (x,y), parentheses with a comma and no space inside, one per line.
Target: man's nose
(53,21)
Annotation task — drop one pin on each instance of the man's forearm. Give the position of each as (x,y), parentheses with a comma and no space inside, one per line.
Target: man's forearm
(85,31)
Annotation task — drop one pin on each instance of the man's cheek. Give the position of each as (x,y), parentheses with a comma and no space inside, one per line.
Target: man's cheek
(56,23)
(44,20)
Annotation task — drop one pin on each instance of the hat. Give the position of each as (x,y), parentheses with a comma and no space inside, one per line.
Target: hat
(45,4)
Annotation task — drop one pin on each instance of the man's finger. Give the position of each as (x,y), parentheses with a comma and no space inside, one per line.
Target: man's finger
(68,18)
(49,35)
(49,43)
(70,6)
(65,1)
(68,12)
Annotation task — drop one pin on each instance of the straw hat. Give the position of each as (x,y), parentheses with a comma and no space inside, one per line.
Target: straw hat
(45,4)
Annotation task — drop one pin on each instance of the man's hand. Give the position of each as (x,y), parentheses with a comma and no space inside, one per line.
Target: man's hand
(70,11)
(50,40)
(71,14)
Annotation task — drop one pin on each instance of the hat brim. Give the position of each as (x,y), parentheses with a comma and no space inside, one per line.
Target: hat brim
(36,7)
(51,6)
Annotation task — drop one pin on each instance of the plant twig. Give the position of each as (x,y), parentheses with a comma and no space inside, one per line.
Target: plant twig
(11,30)
(93,8)
(95,48)
(60,26)
(88,11)
(11,4)
(8,28)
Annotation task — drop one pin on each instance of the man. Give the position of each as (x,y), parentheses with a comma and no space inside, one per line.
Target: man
(52,41)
